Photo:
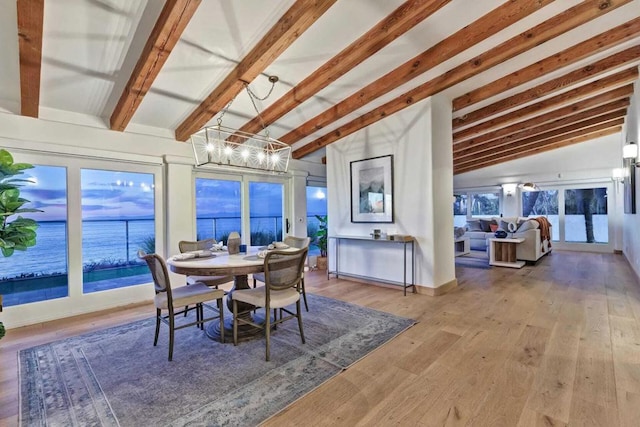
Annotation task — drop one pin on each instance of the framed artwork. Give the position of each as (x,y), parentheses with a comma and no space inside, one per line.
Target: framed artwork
(629,187)
(372,189)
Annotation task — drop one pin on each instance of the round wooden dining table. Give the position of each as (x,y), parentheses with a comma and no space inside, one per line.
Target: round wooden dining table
(222,264)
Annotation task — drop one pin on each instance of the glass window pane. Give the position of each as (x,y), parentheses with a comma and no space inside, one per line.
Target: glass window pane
(118,219)
(543,203)
(40,272)
(586,219)
(218,208)
(316,205)
(487,204)
(266,204)
(460,210)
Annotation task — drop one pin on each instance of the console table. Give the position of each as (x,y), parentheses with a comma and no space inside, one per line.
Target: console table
(405,241)
(502,252)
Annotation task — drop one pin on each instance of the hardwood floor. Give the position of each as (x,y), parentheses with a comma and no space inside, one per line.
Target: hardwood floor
(552,345)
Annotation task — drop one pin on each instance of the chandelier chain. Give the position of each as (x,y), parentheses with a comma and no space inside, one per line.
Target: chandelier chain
(253,97)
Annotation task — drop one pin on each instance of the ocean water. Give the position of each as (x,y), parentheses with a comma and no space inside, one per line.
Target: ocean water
(108,242)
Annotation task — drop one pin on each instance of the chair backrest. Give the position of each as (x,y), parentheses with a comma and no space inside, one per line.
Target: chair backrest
(297,242)
(284,269)
(187,246)
(159,272)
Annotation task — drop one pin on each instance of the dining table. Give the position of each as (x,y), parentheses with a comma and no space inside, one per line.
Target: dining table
(221,263)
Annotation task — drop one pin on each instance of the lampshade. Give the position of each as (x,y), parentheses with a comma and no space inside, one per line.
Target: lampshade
(630,151)
(618,174)
(529,186)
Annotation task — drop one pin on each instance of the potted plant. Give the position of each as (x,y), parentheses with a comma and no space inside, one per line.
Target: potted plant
(321,241)
(20,233)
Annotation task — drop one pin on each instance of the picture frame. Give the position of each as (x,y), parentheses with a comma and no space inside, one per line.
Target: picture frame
(372,190)
(629,187)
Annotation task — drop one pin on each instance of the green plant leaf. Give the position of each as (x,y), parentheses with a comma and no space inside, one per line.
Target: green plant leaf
(5,157)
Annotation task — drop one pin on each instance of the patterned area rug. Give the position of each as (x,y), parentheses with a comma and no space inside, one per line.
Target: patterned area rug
(116,377)
(475,259)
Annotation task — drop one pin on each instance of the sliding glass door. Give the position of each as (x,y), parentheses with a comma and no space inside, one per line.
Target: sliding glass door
(253,206)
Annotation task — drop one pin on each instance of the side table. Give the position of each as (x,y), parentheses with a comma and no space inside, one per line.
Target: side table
(462,246)
(502,252)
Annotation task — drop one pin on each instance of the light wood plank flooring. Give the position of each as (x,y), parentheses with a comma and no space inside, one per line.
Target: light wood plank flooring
(553,344)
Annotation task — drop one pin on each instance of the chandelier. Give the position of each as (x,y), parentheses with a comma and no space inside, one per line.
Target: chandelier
(225,146)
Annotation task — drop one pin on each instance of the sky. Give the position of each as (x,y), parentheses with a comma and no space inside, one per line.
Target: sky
(118,195)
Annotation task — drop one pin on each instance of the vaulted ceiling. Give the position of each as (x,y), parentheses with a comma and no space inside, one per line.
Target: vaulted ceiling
(524,76)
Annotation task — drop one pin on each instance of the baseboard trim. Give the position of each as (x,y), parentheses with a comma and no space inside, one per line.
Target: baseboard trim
(440,290)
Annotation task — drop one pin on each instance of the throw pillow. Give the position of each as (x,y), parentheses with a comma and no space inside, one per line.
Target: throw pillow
(528,225)
(493,227)
(503,225)
(486,224)
(474,225)
(458,232)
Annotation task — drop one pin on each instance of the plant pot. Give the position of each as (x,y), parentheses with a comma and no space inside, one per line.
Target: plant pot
(321,262)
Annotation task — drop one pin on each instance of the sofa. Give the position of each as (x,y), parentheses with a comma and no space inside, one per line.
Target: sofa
(532,249)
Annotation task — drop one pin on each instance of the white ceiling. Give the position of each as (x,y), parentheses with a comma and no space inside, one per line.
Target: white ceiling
(91,46)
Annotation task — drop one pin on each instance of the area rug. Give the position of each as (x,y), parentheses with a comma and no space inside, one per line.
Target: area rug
(115,377)
(475,259)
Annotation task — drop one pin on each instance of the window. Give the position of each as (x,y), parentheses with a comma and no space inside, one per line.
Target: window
(586,219)
(543,203)
(460,210)
(40,272)
(316,205)
(485,204)
(117,220)
(266,208)
(218,208)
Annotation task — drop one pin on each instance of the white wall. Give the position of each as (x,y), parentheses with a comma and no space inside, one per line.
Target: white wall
(631,222)
(422,150)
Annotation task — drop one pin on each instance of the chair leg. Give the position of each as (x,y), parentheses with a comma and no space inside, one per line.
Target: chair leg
(158,314)
(267,332)
(299,316)
(275,318)
(235,322)
(201,312)
(171,330)
(304,295)
(221,310)
(186,307)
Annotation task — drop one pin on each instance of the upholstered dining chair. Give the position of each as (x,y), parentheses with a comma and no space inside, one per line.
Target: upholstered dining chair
(283,276)
(169,299)
(213,281)
(294,242)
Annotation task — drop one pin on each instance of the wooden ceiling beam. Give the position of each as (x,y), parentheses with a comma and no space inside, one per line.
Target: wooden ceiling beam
(542,140)
(569,112)
(173,19)
(401,20)
(626,57)
(540,149)
(289,27)
(548,130)
(599,86)
(545,31)
(30,21)
(484,27)
(596,44)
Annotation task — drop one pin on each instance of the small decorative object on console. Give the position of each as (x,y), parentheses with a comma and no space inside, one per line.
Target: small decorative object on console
(501,234)
(233,243)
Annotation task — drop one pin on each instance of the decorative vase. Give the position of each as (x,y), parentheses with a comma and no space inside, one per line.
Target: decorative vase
(233,243)
(321,263)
